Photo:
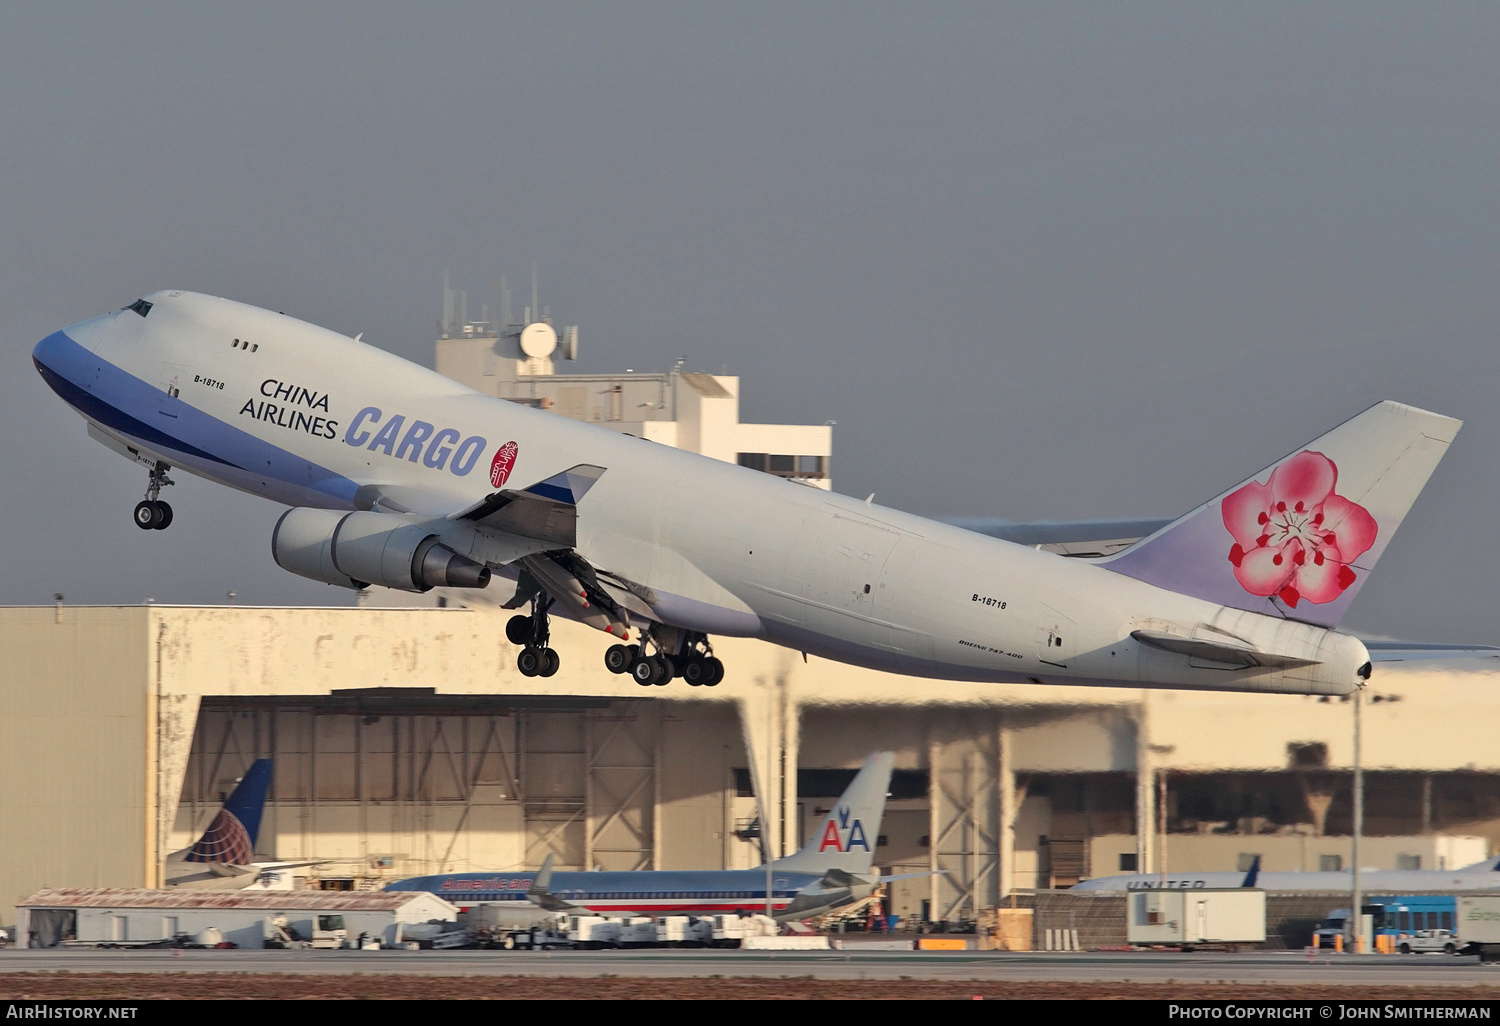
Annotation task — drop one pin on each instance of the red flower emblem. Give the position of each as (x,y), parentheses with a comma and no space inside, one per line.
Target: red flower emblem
(501,464)
(1293,537)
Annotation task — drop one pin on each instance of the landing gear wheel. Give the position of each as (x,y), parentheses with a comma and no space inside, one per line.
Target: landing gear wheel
(146,515)
(617,658)
(668,669)
(518,630)
(529,662)
(165,513)
(550,662)
(713,671)
(646,671)
(692,672)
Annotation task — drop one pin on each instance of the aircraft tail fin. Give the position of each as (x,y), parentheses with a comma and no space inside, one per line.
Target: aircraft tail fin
(846,838)
(231,837)
(1298,539)
(540,891)
(1254,873)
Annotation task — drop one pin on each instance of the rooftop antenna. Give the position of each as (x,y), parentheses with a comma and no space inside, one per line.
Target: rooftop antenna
(447,306)
(534,306)
(505,320)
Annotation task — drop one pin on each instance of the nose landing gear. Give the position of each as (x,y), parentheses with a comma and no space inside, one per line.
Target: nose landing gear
(152,514)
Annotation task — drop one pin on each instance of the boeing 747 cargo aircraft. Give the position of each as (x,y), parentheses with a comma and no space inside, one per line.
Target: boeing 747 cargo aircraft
(400,477)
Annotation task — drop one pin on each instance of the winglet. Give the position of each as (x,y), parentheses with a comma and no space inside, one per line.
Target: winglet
(567,488)
(1254,873)
(570,486)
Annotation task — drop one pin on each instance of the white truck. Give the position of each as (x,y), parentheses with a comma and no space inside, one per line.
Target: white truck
(730,931)
(1479,926)
(594,932)
(1424,941)
(684,931)
(638,932)
(1229,917)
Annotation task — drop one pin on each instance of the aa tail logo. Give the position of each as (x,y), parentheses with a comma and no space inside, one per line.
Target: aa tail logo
(842,836)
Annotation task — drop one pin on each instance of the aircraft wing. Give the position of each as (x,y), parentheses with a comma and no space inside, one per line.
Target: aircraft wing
(1065,537)
(546,511)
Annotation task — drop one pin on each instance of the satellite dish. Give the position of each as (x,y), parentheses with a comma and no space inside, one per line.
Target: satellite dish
(538,339)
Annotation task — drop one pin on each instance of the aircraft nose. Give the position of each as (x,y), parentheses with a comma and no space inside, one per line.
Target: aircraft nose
(48,354)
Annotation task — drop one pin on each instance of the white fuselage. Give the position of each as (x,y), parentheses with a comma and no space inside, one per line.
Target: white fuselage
(306,417)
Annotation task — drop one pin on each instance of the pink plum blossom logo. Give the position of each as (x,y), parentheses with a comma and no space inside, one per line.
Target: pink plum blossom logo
(1294,537)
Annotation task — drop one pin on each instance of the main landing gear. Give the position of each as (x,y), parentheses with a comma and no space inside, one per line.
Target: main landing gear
(152,514)
(532,632)
(694,662)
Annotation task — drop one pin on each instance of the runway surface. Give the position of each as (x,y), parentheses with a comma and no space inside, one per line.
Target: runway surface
(1083,967)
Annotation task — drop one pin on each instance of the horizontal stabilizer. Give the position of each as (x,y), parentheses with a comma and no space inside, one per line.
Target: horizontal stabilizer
(1299,539)
(1216,651)
(1424,651)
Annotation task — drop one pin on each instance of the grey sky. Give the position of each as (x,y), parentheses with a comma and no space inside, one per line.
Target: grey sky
(1038,261)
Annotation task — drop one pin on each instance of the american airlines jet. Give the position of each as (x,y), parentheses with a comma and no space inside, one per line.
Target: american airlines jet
(832,870)
(400,477)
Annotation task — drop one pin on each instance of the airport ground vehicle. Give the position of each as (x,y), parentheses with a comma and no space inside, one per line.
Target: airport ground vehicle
(1479,926)
(1396,917)
(1231,917)
(1424,941)
(730,931)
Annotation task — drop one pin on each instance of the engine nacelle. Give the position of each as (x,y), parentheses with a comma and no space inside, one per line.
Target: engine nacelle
(353,550)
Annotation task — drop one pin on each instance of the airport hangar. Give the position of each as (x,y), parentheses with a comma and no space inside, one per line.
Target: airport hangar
(406,742)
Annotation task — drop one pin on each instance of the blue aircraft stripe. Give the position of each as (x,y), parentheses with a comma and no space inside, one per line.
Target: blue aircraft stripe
(548,490)
(127,404)
(98,410)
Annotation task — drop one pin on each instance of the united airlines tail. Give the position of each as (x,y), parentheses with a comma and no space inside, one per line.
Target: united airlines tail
(846,839)
(1298,539)
(230,838)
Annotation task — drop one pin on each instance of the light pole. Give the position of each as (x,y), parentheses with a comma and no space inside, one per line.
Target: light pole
(1357,909)
(765,805)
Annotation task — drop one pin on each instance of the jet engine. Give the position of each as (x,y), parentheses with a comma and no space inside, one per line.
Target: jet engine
(353,550)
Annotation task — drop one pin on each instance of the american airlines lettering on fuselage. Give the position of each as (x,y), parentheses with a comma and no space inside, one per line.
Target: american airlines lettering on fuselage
(400,477)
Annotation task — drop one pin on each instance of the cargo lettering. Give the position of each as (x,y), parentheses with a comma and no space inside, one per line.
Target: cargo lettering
(437,448)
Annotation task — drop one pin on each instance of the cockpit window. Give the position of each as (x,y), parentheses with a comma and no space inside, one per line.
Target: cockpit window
(140,306)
